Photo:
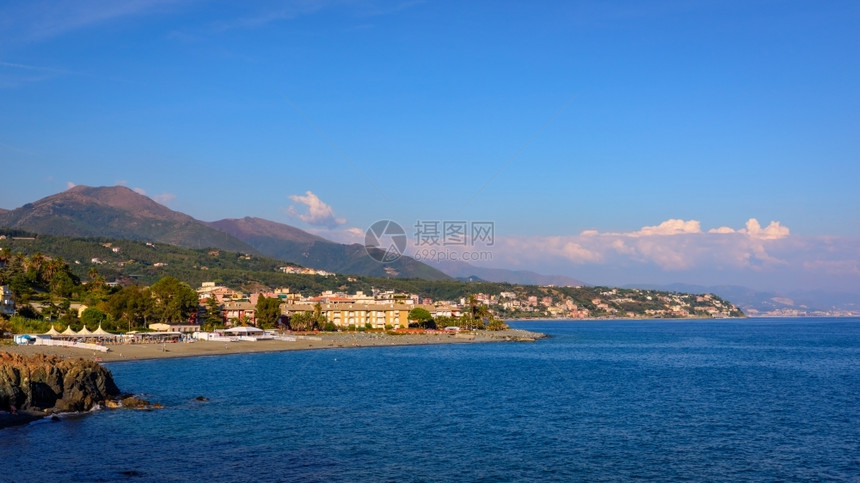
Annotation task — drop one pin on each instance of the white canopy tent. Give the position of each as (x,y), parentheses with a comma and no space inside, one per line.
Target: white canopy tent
(244,331)
(102,333)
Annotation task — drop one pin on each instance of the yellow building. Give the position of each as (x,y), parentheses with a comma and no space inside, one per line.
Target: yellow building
(358,314)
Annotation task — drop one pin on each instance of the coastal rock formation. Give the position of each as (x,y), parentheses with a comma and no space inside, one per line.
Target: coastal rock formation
(52,384)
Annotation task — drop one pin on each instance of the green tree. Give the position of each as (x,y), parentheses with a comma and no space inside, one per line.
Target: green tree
(62,284)
(53,267)
(50,311)
(35,264)
(302,321)
(174,301)
(497,324)
(27,312)
(474,318)
(420,316)
(473,305)
(318,317)
(132,306)
(22,290)
(445,321)
(66,313)
(92,317)
(213,318)
(481,312)
(268,311)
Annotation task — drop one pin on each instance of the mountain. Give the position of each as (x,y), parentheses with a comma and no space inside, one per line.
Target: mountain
(116,212)
(119,212)
(291,244)
(465,271)
(261,231)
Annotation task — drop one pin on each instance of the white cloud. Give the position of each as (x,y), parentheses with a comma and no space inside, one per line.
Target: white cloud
(773,231)
(672,245)
(70,185)
(347,236)
(318,214)
(576,252)
(768,257)
(518,249)
(164,198)
(670,227)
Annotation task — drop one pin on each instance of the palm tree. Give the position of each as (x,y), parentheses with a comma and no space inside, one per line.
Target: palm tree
(477,312)
(19,262)
(480,313)
(318,318)
(473,302)
(35,264)
(53,267)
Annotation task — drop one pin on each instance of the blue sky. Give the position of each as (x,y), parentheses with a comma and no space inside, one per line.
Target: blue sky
(554,120)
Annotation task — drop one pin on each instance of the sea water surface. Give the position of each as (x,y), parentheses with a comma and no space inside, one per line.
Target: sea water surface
(728,400)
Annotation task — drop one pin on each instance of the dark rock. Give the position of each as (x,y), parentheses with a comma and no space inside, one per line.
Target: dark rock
(201,398)
(134,402)
(52,384)
(19,418)
(129,401)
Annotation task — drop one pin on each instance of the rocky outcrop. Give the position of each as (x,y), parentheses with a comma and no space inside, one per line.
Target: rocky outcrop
(51,384)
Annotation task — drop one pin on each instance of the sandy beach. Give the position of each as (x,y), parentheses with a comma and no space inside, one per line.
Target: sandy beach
(132,352)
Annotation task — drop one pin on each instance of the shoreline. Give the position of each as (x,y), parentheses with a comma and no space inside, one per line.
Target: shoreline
(333,340)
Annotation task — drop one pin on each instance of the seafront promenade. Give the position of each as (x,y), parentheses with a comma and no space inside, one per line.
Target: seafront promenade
(323,340)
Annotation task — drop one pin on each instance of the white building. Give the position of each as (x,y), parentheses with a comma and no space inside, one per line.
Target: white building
(7,305)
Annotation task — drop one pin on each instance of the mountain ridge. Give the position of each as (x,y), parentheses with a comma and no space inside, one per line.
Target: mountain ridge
(119,212)
(116,212)
(463,270)
(261,227)
(289,243)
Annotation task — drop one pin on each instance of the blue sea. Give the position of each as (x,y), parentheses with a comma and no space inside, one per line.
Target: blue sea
(727,400)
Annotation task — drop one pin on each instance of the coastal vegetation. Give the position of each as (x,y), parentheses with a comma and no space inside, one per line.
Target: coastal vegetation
(125,285)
